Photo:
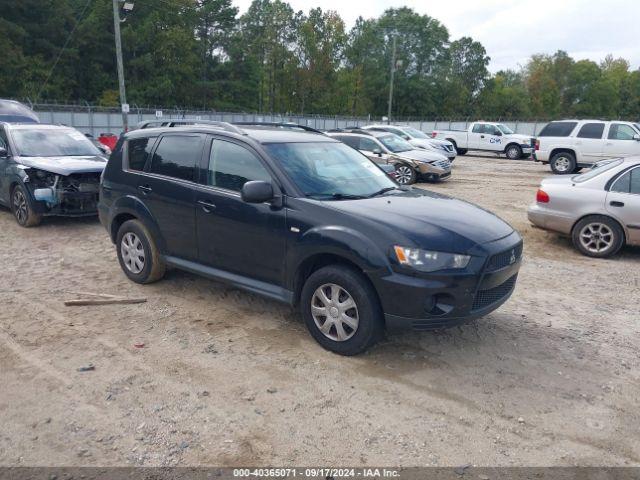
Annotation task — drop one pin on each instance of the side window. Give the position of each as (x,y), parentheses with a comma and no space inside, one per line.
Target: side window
(138,151)
(591,130)
(368,145)
(177,156)
(620,131)
(492,130)
(353,142)
(634,184)
(3,139)
(231,166)
(558,129)
(478,128)
(622,184)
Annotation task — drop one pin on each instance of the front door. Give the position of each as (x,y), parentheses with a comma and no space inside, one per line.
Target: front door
(621,141)
(167,188)
(238,237)
(623,201)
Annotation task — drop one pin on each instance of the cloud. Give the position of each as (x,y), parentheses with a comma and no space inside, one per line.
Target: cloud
(513,30)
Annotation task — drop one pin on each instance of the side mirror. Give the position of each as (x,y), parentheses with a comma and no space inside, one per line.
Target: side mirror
(257,191)
(377,151)
(636,137)
(3,152)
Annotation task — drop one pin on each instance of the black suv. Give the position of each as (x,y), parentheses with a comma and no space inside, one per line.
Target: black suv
(307,220)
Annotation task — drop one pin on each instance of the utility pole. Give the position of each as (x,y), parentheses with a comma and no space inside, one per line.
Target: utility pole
(393,71)
(123,93)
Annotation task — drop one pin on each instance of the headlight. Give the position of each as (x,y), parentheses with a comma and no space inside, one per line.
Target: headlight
(430,261)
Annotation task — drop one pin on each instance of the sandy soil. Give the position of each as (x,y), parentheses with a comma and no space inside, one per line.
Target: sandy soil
(227,378)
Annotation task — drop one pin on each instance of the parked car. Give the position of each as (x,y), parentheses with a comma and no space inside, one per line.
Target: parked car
(419,139)
(599,209)
(488,137)
(307,220)
(99,145)
(410,163)
(16,112)
(48,170)
(569,145)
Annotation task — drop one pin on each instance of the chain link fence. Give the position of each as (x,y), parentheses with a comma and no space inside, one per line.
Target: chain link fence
(96,120)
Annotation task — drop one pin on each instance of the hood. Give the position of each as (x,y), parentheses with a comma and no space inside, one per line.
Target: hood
(525,138)
(431,220)
(420,156)
(66,165)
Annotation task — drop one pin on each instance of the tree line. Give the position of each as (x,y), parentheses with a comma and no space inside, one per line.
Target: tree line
(202,54)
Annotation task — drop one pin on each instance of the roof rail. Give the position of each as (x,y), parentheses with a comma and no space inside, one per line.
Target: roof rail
(286,125)
(175,123)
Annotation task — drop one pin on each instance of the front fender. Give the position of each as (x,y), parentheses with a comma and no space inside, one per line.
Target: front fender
(131,206)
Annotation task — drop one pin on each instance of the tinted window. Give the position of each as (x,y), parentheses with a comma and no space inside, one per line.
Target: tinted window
(591,130)
(138,151)
(231,166)
(368,145)
(353,142)
(622,184)
(620,131)
(177,156)
(634,185)
(558,129)
(598,169)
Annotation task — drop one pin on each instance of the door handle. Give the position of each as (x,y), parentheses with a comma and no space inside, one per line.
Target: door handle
(481,136)
(206,206)
(616,204)
(145,189)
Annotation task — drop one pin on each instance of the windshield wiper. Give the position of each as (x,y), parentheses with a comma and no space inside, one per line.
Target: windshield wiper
(383,191)
(337,196)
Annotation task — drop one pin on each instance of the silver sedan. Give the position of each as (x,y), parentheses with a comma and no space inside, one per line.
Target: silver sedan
(599,209)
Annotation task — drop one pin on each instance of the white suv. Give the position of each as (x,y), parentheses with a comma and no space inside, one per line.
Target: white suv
(569,145)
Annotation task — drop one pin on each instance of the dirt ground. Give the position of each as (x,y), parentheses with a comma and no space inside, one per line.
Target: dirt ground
(227,378)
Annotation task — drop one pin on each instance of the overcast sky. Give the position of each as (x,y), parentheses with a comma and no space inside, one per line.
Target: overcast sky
(512,30)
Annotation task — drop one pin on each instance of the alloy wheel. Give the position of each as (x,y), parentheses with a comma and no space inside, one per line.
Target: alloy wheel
(513,153)
(132,252)
(403,174)
(334,312)
(562,164)
(20,206)
(596,237)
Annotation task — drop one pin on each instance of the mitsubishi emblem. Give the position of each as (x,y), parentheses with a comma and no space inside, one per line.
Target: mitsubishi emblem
(512,260)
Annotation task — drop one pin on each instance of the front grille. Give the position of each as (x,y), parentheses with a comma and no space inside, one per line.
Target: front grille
(484,298)
(444,164)
(504,259)
(448,148)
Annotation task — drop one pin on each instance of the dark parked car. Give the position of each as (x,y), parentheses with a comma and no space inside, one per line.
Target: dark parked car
(48,170)
(16,112)
(307,220)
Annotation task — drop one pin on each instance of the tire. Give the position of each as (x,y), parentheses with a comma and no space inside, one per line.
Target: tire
(405,174)
(577,170)
(598,236)
(563,163)
(143,263)
(513,152)
(366,315)
(462,151)
(22,208)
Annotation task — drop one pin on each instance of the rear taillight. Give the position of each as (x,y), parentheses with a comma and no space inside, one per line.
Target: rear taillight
(537,145)
(542,196)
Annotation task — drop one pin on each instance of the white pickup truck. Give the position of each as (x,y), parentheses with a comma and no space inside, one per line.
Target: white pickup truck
(569,145)
(489,137)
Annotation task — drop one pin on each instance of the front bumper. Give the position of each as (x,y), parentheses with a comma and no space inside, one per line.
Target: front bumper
(77,204)
(433,171)
(440,300)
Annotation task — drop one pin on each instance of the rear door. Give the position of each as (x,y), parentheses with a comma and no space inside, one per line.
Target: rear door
(242,238)
(621,141)
(590,142)
(623,202)
(167,188)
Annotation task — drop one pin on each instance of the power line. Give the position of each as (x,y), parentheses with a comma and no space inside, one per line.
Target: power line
(64,47)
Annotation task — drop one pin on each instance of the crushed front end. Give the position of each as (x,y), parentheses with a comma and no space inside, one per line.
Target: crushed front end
(73,195)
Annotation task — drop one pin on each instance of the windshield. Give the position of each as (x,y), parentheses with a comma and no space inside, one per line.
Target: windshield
(416,133)
(53,143)
(326,170)
(601,167)
(504,129)
(637,125)
(395,143)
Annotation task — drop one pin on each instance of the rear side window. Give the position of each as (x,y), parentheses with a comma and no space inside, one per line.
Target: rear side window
(591,130)
(628,183)
(231,166)
(558,129)
(177,156)
(138,151)
(620,131)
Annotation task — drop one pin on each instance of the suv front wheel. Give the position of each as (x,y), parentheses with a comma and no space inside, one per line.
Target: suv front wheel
(138,254)
(341,310)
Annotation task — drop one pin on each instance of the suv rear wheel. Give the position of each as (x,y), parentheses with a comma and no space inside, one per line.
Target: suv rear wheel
(22,208)
(341,310)
(405,174)
(598,236)
(138,254)
(563,163)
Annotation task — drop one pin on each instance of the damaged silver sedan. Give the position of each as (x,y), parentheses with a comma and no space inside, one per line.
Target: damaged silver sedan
(48,170)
